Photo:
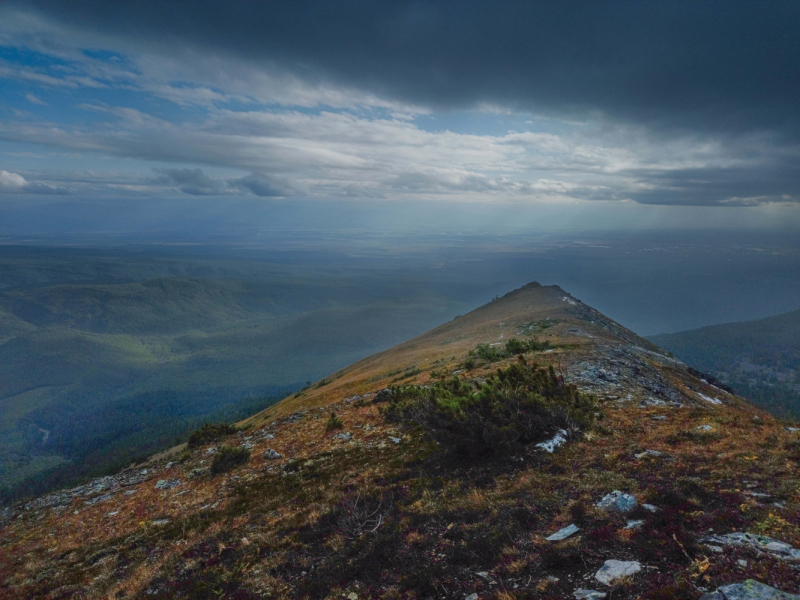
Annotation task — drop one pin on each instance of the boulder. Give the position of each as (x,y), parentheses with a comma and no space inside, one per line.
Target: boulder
(167,484)
(617,501)
(271,454)
(613,570)
(749,590)
(761,543)
(199,472)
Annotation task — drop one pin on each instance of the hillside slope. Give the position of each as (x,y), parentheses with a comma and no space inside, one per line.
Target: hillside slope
(352,490)
(759,359)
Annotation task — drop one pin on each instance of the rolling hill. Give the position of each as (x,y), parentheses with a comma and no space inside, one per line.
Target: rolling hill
(95,375)
(759,359)
(532,448)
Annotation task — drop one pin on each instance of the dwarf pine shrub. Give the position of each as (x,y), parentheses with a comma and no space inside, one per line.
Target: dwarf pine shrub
(210,432)
(334,422)
(518,406)
(494,354)
(228,458)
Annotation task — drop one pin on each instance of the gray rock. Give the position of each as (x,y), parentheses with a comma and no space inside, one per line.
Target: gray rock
(271,454)
(96,499)
(652,454)
(760,543)
(704,428)
(634,524)
(344,436)
(749,590)
(559,439)
(167,484)
(588,594)
(617,501)
(395,440)
(563,534)
(613,570)
(472,597)
(199,472)
(659,418)
(650,508)
(269,436)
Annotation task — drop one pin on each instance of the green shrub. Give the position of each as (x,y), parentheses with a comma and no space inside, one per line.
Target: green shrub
(228,458)
(210,432)
(334,422)
(487,352)
(520,405)
(512,347)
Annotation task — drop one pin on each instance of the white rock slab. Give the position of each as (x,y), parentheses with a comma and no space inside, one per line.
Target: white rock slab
(563,534)
(588,594)
(613,570)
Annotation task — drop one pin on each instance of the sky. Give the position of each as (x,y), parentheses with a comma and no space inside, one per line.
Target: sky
(584,113)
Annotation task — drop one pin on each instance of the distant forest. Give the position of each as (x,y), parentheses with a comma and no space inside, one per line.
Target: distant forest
(760,359)
(109,357)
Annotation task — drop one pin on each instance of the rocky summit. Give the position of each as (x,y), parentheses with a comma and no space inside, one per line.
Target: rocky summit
(532,448)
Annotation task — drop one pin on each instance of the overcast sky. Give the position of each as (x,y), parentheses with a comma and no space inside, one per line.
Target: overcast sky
(604,103)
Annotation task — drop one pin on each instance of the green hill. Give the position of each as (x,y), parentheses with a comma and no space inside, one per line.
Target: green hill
(759,359)
(94,375)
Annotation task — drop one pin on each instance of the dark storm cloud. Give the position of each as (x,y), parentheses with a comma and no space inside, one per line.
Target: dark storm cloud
(718,65)
(731,186)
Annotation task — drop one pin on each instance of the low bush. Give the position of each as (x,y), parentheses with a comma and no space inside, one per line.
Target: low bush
(210,432)
(512,347)
(228,458)
(334,422)
(520,405)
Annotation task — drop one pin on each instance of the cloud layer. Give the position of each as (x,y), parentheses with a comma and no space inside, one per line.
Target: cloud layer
(681,103)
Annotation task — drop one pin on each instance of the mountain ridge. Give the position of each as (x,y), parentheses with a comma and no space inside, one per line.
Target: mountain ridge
(325,494)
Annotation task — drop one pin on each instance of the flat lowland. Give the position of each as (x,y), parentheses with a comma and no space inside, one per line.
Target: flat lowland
(419,472)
